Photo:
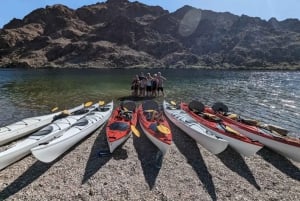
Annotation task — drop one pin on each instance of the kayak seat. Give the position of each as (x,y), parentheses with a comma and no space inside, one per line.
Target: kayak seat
(121,126)
(102,109)
(148,115)
(196,106)
(81,122)
(79,112)
(44,131)
(126,115)
(129,105)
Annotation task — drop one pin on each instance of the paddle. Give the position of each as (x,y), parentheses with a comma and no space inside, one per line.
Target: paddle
(233,116)
(135,131)
(211,117)
(87,104)
(173,103)
(54,109)
(149,110)
(230,130)
(66,112)
(101,103)
(163,129)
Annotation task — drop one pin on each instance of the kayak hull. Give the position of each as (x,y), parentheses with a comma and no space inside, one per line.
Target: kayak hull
(26,126)
(289,148)
(118,128)
(238,142)
(55,148)
(195,130)
(160,140)
(50,132)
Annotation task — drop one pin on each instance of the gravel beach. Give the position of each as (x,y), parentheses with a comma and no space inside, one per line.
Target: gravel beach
(188,172)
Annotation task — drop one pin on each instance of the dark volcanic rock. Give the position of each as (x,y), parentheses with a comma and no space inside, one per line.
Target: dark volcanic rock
(119,33)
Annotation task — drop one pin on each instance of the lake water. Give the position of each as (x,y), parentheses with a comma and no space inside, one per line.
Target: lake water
(270,96)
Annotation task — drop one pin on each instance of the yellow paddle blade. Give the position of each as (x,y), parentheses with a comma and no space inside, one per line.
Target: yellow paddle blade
(88,104)
(233,116)
(163,129)
(66,112)
(209,115)
(230,130)
(125,109)
(54,109)
(135,131)
(101,103)
(149,110)
(173,102)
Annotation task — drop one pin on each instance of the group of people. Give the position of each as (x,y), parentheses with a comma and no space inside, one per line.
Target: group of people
(148,85)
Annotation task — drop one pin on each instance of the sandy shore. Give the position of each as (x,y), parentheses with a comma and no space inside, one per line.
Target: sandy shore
(188,172)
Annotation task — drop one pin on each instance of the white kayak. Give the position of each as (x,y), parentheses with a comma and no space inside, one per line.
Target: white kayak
(26,126)
(195,130)
(46,134)
(85,126)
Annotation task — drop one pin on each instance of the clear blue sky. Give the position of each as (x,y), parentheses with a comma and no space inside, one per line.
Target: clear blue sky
(265,9)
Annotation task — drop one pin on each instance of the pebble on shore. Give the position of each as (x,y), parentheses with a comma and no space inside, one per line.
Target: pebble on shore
(188,172)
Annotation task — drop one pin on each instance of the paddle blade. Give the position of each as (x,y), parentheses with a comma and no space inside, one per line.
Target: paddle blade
(173,102)
(149,110)
(135,131)
(54,109)
(125,109)
(233,116)
(230,130)
(101,103)
(88,104)
(163,129)
(66,112)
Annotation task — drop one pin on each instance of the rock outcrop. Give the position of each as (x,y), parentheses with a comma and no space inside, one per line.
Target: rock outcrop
(119,33)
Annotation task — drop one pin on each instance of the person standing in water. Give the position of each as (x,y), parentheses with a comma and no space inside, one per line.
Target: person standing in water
(154,84)
(135,86)
(143,84)
(148,84)
(160,86)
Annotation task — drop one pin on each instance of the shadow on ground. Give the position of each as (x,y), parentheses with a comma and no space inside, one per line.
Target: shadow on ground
(29,176)
(280,162)
(147,154)
(236,163)
(100,155)
(188,147)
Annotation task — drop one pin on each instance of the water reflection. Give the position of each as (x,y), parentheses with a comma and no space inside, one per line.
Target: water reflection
(272,96)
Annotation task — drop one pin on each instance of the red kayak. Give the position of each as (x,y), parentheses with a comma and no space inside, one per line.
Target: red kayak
(271,136)
(155,125)
(216,125)
(121,123)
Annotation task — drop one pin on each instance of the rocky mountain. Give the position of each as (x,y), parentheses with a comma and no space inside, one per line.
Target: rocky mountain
(119,33)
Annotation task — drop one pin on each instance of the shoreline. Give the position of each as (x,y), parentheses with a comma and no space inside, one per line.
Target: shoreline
(188,172)
(279,67)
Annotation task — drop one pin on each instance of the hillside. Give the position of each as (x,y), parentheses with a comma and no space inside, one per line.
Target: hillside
(119,33)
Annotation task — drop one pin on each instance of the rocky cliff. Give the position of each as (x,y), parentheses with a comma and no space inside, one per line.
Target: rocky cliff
(119,33)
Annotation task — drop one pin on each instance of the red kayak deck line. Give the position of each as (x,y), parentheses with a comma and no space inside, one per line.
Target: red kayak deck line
(214,126)
(167,139)
(114,135)
(254,129)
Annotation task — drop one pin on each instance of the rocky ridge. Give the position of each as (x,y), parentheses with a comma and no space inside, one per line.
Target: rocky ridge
(119,33)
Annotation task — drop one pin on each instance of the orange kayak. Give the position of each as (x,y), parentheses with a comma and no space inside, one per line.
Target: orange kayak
(155,125)
(118,128)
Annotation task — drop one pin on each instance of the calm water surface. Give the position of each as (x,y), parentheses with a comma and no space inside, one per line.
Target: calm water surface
(270,96)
